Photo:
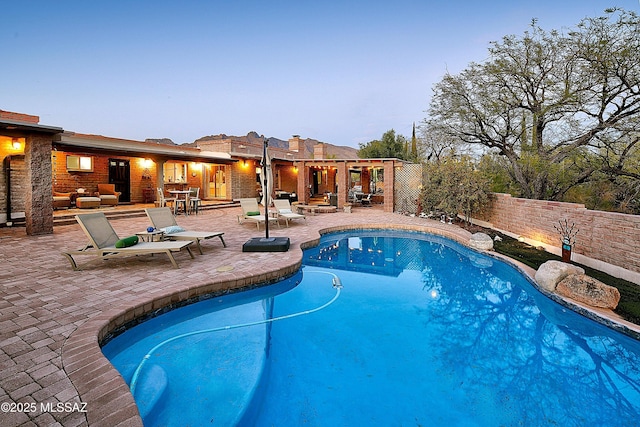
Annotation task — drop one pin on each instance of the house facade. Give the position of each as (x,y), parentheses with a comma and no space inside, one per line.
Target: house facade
(41,161)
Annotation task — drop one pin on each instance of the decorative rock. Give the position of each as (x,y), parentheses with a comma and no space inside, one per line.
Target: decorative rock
(588,290)
(552,272)
(481,241)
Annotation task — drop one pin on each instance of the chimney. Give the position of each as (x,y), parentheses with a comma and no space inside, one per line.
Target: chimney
(320,151)
(294,143)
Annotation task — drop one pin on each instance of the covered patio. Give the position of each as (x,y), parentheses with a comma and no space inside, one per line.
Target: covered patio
(381,178)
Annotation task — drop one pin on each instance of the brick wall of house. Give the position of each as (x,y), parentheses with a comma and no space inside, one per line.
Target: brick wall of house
(328,180)
(243,180)
(18,184)
(68,181)
(609,237)
(288,177)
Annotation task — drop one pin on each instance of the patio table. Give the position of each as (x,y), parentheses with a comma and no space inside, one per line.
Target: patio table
(182,198)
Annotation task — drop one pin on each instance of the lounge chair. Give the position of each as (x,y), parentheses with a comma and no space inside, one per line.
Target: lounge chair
(163,219)
(283,208)
(251,213)
(103,241)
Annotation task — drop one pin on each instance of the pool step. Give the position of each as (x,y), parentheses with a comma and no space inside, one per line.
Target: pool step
(150,392)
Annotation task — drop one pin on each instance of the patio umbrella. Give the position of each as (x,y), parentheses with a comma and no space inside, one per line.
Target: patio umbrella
(267,184)
(266,176)
(266,244)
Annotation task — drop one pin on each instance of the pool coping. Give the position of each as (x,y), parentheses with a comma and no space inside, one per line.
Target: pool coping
(102,387)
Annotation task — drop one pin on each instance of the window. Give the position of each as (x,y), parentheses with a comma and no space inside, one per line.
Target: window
(80,163)
(175,172)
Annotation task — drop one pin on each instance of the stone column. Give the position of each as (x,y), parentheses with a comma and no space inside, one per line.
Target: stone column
(39,191)
(159,172)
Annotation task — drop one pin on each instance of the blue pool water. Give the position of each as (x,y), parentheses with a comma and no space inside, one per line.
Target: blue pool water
(424,332)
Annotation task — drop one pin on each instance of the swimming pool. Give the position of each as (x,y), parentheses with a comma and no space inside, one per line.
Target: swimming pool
(423,331)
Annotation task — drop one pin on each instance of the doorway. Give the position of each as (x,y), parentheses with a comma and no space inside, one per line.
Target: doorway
(317,181)
(119,175)
(218,182)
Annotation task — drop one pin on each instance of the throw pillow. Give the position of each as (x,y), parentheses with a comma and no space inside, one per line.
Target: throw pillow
(253,213)
(285,211)
(172,229)
(127,241)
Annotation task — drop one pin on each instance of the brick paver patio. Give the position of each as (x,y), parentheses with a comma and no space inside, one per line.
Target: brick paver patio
(52,318)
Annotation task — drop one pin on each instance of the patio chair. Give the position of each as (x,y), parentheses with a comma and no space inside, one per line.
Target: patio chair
(104,243)
(164,201)
(366,200)
(108,194)
(283,209)
(61,200)
(251,212)
(194,199)
(164,220)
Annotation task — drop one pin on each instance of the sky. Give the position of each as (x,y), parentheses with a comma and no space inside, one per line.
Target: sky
(342,72)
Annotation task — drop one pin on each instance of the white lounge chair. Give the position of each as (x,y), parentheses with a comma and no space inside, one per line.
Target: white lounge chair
(104,242)
(251,212)
(283,209)
(163,219)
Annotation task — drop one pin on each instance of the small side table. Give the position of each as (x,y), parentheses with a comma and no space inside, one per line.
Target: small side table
(151,236)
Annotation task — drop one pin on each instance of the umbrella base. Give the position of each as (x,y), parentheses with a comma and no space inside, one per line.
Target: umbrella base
(262,244)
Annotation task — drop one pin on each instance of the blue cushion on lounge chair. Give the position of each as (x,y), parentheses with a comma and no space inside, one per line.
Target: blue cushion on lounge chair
(172,229)
(126,242)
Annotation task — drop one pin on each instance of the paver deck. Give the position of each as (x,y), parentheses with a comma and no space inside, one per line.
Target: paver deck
(52,318)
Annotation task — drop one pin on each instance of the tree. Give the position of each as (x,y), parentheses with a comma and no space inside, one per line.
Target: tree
(454,186)
(413,154)
(436,143)
(555,106)
(390,146)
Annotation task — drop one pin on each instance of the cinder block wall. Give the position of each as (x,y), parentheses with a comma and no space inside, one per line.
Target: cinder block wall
(609,237)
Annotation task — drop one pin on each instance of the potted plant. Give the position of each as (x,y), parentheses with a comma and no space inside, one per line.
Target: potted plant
(567,237)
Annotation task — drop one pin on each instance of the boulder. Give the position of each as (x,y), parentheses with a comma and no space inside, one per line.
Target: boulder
(552,272)
(481,242)
(588,290)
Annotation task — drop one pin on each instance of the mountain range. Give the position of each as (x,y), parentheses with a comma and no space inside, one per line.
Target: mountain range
(307,144)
